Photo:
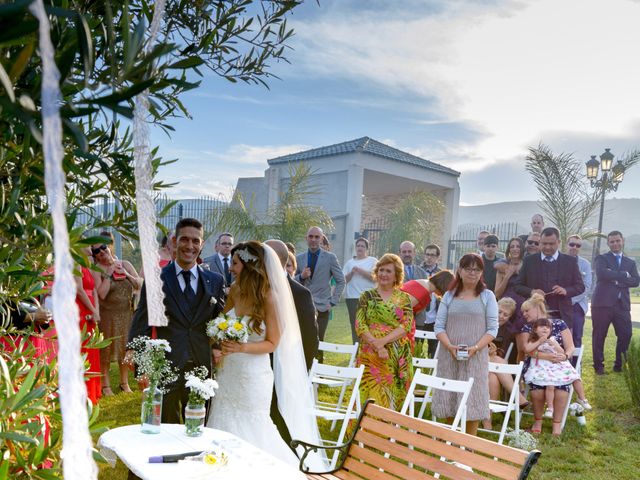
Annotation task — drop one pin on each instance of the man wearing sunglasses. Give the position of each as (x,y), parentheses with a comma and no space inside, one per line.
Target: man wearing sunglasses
(532,243)
(552,274)
(580,302)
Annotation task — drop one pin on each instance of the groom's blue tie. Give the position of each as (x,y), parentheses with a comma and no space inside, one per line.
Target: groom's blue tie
(188,291)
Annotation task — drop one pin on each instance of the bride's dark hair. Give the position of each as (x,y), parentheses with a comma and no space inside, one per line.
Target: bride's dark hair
(253,284)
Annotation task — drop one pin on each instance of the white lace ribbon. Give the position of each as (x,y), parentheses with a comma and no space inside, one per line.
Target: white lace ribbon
(144,193)
(77,460)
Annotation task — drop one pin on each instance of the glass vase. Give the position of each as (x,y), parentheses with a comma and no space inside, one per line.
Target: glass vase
(194,416)
(151,411)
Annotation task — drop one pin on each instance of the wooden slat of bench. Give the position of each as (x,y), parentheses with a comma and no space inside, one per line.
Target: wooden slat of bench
(433,464)
(440,448)
(321,476)
(365,471)
(479,444)
(390,465)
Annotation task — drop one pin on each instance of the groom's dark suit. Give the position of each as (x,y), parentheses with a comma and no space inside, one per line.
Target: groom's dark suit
(186,331)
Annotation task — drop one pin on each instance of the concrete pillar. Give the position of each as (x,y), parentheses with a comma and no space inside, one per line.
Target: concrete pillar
(451,201)
(353,208)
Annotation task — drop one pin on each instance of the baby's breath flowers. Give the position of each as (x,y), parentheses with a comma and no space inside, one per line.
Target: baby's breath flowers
(150,358)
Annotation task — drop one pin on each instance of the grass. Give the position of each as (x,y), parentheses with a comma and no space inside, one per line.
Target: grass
(607,447)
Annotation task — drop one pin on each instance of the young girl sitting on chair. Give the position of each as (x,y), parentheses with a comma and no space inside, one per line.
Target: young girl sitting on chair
(547,373)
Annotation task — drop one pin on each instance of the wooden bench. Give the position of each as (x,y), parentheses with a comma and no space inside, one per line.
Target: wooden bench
(386,445)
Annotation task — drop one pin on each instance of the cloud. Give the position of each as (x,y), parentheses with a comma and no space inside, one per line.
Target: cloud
(520,72)
(207,172)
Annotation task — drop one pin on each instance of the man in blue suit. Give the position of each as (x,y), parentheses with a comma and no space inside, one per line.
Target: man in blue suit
(610,302)
(192,297)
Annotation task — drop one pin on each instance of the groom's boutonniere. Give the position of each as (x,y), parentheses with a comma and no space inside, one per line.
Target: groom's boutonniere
(213,301)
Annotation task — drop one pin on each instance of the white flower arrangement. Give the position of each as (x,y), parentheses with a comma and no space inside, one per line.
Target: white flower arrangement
(577,411)
(227,327)
(521,439)
(200,387)
(149,357)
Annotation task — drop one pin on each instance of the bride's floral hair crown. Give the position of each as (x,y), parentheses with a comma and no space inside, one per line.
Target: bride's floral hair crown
(245,255)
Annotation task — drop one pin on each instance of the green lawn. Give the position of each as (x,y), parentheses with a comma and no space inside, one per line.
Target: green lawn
(606,448)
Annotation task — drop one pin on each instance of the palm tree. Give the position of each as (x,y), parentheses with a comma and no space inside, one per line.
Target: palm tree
(566,197)
(287,219)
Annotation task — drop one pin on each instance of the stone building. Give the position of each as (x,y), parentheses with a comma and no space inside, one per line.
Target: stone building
(360,180)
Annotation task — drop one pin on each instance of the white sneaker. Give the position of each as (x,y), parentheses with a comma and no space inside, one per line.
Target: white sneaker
(585,404)
(548,413)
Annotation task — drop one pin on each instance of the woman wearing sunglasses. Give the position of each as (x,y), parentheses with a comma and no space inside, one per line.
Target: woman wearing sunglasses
(115,283)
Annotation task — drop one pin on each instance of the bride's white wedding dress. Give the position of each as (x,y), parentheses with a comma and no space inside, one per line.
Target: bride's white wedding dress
(243,400)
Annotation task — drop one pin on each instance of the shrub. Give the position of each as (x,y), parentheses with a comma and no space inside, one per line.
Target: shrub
(632,373)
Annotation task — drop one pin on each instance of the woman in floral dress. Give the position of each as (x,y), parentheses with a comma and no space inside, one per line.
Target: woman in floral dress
(384,323)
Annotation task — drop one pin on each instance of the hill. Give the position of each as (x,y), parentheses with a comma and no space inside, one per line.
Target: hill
(619,214)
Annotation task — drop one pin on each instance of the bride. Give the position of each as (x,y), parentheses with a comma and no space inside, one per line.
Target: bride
(261,295)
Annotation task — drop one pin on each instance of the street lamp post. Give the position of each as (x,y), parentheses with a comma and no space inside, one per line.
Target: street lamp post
(609,180)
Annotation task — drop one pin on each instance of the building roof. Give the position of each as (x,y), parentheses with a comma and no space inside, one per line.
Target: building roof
(364,144)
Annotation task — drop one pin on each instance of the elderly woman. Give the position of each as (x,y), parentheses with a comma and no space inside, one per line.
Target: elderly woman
(383,322)
(357,274)
(468,316)
(115,282)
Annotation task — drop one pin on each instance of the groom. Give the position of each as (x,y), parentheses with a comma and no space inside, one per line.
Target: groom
(192,297)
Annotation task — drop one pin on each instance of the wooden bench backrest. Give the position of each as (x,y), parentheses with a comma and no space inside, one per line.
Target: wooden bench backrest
(417,449)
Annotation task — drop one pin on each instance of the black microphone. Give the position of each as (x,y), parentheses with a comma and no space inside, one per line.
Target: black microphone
(172,458)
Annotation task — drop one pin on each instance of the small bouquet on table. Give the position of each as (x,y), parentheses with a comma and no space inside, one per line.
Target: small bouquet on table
(201,389)
(149,356)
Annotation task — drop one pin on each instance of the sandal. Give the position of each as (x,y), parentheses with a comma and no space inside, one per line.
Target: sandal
(107,392)
(125,388)
(533,429)
(554,433)
(524,405)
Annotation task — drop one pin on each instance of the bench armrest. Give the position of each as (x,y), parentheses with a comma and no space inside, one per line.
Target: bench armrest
(310,447)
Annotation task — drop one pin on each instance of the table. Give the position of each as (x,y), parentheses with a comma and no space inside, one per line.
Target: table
(134,448)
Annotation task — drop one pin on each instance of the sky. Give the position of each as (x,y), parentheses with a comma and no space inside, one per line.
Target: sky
(467,84)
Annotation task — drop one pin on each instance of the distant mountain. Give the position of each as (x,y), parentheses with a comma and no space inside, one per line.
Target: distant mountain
(619,214)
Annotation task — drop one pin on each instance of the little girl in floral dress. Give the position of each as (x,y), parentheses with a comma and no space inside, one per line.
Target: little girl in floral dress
(545,372)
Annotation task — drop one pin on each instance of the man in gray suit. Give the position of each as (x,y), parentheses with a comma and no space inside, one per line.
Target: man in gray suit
(220,262)
(408,255)
(315,269)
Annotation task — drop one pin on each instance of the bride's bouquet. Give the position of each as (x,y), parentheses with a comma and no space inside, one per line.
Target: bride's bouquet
(228,327)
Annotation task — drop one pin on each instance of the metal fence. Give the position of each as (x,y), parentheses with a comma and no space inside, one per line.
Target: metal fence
(465,240)
(372,232)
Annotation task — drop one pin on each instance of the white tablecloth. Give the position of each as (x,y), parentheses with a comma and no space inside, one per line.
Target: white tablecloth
(134,449)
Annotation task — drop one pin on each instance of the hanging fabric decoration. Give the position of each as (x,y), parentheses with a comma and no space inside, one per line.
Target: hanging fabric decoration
(77,458)
(144,192)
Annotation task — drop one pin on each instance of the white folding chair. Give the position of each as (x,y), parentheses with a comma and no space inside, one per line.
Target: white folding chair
(512,404)
(430,382)
(577,354)
(508,353)
(338,411)
(348,350)
(426,335)
(430,367)
(340,348)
